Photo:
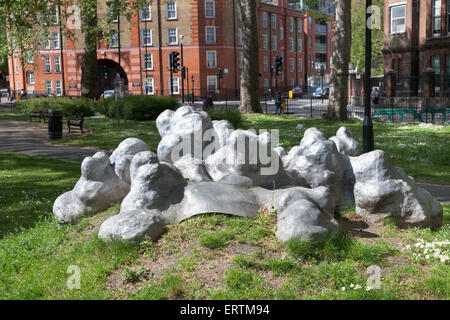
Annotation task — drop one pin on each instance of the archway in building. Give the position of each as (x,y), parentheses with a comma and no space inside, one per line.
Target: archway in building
(107,71)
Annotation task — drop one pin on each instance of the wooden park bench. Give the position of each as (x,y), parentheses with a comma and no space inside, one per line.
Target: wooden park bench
(76,122)
(43,114)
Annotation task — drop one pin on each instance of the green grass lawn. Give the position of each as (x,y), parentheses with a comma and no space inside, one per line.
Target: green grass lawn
(215,256)
(421,150)
(206,257)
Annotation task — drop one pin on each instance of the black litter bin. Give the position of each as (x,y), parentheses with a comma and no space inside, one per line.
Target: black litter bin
(55,124)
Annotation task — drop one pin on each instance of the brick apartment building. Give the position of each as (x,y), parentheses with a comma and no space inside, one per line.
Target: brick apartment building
(417,37)
(212,38)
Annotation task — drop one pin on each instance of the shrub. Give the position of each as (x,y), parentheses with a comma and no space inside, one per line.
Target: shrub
(70,107)
(234,116)
(138,107)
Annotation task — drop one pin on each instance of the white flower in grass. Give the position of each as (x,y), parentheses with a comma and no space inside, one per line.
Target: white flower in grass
(352,285)
(427,257)
(357,287)
(343,289)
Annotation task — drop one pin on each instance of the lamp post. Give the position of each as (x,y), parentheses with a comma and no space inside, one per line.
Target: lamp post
(193,80)
(322,74)
(368,144)
(182,69)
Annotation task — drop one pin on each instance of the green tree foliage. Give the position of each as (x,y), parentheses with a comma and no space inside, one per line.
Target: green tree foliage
(358,37)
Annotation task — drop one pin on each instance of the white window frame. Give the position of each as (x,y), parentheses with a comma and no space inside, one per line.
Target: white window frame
(209,28)
(175,10)
(30,77)
(47,87)
(171,36)
(300,65)
(143,37)
(299,25)
(273,21)
(265,41)
(391,8)
(16,65)
(214,80)
(274,43)
(299,45)
(145,56)
(208,55)
(291,24)
(57,64)
(175,80)
(291,44)
(291,65)
(47,63)
(266,64)
(114,40)
(56,40)
(265,19)
(239,36)
(212,8)
(148,10)
(147,86)
(58,88)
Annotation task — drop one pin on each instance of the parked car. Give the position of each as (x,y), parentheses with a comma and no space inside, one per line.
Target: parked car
(322,93)
(296,91)
(108,94)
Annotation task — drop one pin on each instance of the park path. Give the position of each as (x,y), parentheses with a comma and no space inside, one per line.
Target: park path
(32,139)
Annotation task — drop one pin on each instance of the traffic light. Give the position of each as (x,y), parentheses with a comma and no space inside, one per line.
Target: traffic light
(105,72)
(220,73)
(175,61)
(279,64)
(183,73)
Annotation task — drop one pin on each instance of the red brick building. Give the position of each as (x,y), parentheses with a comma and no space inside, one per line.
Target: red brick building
(211,33)
(417,37)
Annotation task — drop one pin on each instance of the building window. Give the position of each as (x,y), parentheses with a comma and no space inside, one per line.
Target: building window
(436,18)
(265,39)
(211,59)
(111,16)
(146,12)
(300,25)
(239,10)
(274,21)
(114,41)
(300,45)
(56,64)
(147,37)
(58,89)
(148,61)
(266,64)
(55,39)
(47,64)
(149,88)
(30,77)
(274,43)
(291,24)
(211,84)
(210,8)
(436,65)
(171,9)
(291,45)
(172,36)
(175,85)
(241,60)
(47,43)
(239,37)
(309,23)
(398,19)
(48,87)
(16,65)
(210,33)
(309,42)
(54,15)
(300,65)
(264,19)
(292,64)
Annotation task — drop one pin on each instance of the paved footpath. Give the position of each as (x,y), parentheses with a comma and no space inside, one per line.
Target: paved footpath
(32,139)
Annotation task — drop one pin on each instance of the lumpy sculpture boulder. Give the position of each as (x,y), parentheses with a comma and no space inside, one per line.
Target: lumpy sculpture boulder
(303,185)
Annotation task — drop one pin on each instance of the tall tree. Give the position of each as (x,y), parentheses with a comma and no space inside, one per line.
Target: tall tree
(250,50)
(337,106)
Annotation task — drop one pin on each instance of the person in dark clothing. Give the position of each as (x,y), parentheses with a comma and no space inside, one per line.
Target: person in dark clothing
(278,103)
(204,104)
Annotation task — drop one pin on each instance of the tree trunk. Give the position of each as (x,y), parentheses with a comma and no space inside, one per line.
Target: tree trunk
(89,66)
(337,107)
(250,50)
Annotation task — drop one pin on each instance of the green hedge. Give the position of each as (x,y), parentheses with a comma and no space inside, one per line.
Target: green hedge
(234,116)
(138,107)
(70,107)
